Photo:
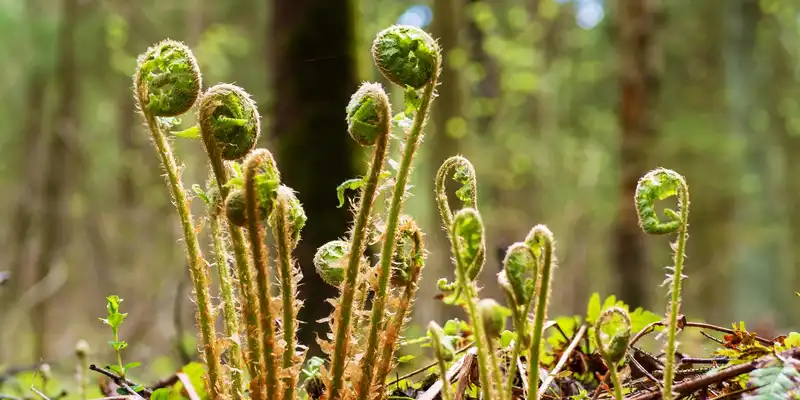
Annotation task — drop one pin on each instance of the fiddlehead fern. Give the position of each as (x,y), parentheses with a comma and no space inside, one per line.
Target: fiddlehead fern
(229,122)
(518,279)
(229,125)
(230,317)
(660,184)
(167,79)
(614,351)
(288,219)
(408,57)
(235,209)
(406,270)
(463,173)
(540,240)
(468,242)
(329,261)
(369,107)
(444,352)
(260,191)
(167,83)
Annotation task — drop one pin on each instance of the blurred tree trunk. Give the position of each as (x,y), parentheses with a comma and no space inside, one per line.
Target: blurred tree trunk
(756,260)
(639,86)
(61,142)
(314,76)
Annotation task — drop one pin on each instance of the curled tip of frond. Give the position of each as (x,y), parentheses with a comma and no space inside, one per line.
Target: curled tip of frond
(493,316)
(329,261)
(369,114)
(296,216)
(518,277)
(262,176)
(442,346)
(407,56)
(614,349)
(468,230)
(235,208)
(659,184)
(409,254)
(229,121)
(167,79)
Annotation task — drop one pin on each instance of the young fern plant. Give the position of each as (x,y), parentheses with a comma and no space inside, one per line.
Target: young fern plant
(541,242)
(262,180)
(660,184)
(613,351)
(288,219)
(229,126)
(167,83)
(409,57)
(230,317)
(369,121)
(444,352)
(518,280)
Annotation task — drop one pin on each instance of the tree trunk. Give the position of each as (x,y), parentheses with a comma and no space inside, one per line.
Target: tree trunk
(55,186)
(314,75)
(639,85)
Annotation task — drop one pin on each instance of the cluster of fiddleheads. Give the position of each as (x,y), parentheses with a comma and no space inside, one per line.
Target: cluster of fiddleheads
(246,190)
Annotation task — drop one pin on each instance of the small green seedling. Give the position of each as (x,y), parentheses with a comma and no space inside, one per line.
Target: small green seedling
(114,320)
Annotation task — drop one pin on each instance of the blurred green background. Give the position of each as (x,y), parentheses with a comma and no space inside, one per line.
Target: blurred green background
(561,105)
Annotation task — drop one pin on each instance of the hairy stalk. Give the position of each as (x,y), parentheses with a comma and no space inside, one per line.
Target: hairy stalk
(218,97)
(388,247)
(167,83)
(493,316)
(464,173)
(518,279)
(467,243)
(261,164)
(372,101)
(282,230)
(660,184)
(614,351)
(444,352)
(410,276)
(231,320)
(540,240)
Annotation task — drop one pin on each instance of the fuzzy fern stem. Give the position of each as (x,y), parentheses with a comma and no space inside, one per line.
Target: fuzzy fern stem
(225,97)
(390,234)
(540,239)
(282,230)
(260,187)
(231,319)
(660,184)
(359,233)
(410,277)
(614,351)
(167,83)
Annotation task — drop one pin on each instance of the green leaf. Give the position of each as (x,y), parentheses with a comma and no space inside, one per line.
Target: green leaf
(452,327)
(195,371)
(118,345)
(201,194)
(190,133)
(406,358)
(132,365)
(506,337)
(593,309)
(160,394)
(776,382)
(117,370)
(351,184)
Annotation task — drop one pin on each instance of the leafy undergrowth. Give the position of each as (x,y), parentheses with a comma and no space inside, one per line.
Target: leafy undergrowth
(737,365)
